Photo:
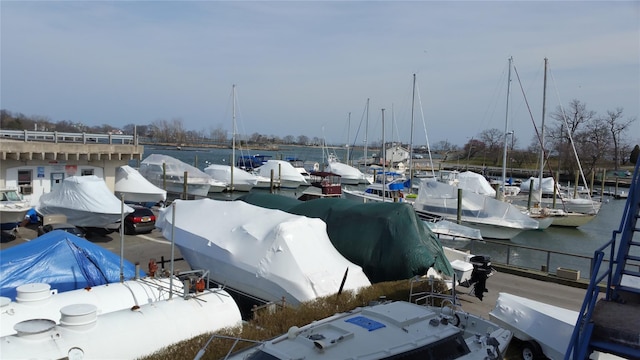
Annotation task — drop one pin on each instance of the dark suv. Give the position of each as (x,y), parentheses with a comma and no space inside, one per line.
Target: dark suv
(141,220)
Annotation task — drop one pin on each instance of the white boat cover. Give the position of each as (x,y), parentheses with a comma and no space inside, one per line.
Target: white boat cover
(282,170)
(442,199)
(151,167)
(547,185)
(346,172)
(223,173)
(468,180)
(85,200)
(135,188)
(267,253)
(551,326)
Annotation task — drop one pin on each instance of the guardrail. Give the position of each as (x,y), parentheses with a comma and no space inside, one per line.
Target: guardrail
(527,257)
(66,137)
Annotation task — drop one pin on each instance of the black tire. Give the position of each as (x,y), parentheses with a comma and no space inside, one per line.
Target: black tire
(531,351)
(129,230)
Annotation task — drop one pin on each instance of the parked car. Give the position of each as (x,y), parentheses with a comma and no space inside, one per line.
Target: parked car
(142,220)
(71,229)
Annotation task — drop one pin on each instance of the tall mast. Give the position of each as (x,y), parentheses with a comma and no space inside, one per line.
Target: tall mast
(506,125)
(233,134)
(384,160)
(366,135)
(544,100)
(413,100)
(348,136)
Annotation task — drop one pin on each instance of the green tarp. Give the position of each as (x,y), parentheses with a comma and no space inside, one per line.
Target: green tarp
(387,240)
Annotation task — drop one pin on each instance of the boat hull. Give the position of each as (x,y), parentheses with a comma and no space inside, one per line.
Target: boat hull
(573,220)
(84,334)
(11,217)
(39,301)
(199,190)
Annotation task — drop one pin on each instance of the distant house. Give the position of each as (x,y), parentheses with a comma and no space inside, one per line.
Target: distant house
(397,154)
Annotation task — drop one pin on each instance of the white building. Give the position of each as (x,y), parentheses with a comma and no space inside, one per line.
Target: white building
(35,162)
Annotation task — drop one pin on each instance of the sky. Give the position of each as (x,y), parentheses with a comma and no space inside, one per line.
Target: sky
(311,67)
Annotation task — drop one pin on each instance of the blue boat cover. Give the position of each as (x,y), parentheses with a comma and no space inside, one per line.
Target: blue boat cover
(62,260)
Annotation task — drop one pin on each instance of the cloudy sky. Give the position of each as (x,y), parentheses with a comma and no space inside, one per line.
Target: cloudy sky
(308,67)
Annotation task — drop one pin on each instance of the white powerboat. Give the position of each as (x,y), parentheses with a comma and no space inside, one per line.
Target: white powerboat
(268,254)
(133,187)
(388,330)
(495,219)
(13,208)
(240,180)
(348,174)
(168,173)
(86,201)
(287,176)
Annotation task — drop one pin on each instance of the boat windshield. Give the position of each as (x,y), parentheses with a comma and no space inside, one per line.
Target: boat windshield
(10,196)
(261,355)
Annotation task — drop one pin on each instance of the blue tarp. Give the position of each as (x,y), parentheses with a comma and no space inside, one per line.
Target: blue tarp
(62,260)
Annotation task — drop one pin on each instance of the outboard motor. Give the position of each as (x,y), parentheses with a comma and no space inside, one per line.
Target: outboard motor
(481,271)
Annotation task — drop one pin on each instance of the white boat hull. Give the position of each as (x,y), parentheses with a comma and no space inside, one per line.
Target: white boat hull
(83,334)
(198,190)
(39,301)
(13,215)
(572,219)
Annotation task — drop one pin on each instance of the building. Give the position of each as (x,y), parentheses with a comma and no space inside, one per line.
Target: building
(35,162)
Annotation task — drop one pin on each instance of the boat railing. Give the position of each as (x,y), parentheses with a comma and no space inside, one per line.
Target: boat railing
(434,296)
(68,137)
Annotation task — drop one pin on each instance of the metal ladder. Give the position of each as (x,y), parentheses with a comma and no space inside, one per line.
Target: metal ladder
(621,273)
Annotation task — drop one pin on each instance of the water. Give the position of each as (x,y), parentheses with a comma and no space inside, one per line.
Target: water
(581,241)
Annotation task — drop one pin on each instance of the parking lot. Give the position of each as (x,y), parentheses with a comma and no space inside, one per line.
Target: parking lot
(137,248)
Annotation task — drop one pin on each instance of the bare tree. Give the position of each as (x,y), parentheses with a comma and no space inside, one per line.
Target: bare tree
(569,123)
(303,140)
(493,139)
(616,126)
(592,144)
(219,134)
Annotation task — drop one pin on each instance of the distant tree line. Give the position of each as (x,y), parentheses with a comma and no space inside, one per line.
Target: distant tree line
(599,140)
(159,131)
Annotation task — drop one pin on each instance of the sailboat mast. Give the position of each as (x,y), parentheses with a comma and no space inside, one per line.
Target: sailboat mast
(544,102)
(506,125)
(413,102)
(366,135)
(384,160)
(233,134)
(348,136)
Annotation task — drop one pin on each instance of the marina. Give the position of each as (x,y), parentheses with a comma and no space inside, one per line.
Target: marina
(548,265)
